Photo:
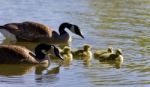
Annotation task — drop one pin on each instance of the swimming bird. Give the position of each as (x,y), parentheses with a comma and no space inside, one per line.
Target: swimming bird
(37,32)
(117,57)
(14,54)
(100,52)
(84,54)
(67,55)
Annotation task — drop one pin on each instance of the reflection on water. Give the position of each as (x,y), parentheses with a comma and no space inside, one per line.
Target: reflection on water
(14,69)
(48,76)
(118,23)
(14,72)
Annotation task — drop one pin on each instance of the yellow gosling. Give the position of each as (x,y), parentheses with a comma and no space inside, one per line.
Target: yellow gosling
(100,52)
(84,54)
(67,55)
(117,57)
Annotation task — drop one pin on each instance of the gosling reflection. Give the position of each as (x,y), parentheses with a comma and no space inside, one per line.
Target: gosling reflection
(112,63)
(15,69)
(44,75)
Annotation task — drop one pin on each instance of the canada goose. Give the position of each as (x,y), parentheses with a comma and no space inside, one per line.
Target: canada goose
(35,32)
(67,55)
(100,52)
(117,57)
(85,54)
(14,54)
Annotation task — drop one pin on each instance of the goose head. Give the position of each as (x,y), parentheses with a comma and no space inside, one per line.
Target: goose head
(42,51)
(73,28)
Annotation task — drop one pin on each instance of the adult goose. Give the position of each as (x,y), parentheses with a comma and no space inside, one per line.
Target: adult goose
(35,32)
(14,54)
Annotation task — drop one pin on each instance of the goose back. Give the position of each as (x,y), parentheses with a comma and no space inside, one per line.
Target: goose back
(29,31)
(16,54)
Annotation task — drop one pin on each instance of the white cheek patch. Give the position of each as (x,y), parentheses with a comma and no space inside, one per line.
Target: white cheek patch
(43,51)
(8,35)
(72,29)
(52,51)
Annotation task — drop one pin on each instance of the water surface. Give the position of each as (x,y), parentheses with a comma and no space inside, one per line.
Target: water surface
(118,23)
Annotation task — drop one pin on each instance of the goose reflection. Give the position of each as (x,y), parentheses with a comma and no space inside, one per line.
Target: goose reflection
(45,75)
(15,69)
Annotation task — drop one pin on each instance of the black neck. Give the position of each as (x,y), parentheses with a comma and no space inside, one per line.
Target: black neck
(62,28)
(38,51)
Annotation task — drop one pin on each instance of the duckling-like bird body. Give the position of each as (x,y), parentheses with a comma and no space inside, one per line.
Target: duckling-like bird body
(100,52)
(117,57)
(35,32)
(67,55)
(85,53)
(14,54)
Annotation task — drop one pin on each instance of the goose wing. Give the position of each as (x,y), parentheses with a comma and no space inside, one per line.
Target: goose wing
(29,31)
(16,54)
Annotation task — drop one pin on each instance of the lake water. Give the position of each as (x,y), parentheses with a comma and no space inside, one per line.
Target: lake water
(121,24)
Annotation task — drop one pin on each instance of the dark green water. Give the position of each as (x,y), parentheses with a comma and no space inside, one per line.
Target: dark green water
(118,23)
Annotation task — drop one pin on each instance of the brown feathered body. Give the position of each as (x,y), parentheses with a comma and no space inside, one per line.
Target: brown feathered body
(16,54)
(29,31)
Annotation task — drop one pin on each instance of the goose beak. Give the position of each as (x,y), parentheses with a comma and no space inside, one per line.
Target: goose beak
(82,36)
(60,57)
(57,53)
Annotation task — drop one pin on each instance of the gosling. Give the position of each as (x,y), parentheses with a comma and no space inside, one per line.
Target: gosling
(117,57)
(66,53)
(100,52)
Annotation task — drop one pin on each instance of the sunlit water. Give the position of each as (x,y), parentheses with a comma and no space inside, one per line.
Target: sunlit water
(118,23)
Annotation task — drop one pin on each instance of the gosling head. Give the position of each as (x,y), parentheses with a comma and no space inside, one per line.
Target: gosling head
(67,50)
(87,47)
(118,52)
(110,50)
(43,49)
